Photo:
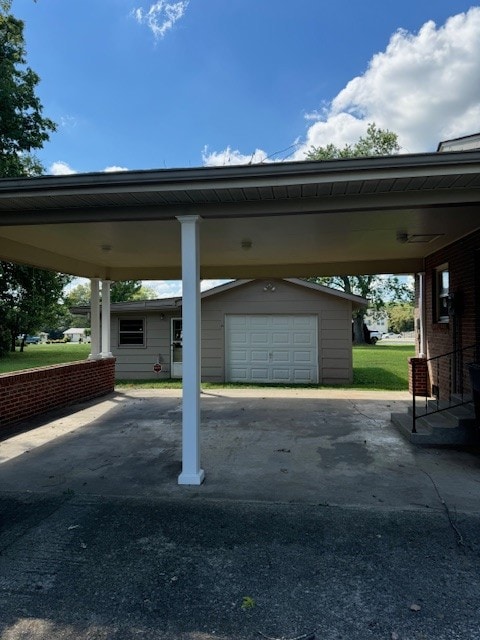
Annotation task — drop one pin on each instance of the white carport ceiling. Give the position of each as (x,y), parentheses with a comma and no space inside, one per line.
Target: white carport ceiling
(371,215)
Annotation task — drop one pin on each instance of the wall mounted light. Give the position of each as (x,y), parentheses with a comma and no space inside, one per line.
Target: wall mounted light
(269,287)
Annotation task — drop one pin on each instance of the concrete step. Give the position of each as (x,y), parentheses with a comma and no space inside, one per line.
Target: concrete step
(464,414)
(436,429)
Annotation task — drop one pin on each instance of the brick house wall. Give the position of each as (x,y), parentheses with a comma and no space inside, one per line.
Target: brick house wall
(462,330)
(24,394)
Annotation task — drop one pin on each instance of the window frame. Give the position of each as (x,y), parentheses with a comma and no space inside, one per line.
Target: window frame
(135,345)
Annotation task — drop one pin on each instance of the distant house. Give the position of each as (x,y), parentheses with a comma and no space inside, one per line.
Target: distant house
(264,331)
(465,143)
(377,321)
(76,334)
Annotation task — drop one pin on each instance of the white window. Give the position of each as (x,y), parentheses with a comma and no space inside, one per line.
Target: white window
(442,292)
(131,332)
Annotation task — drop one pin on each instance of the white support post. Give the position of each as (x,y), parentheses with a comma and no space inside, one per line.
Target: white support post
(191,473)
(421,310)
(94,319)
(106,353)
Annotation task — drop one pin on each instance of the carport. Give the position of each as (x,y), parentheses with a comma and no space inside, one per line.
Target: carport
(342,217)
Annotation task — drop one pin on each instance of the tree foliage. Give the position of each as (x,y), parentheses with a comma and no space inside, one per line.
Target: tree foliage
(400,317)
(125,290)
(381,292)
(29,298)
(376,142)
(377,289)
(122,291)
(22,125)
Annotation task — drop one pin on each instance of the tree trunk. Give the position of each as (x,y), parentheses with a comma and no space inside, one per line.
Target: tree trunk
(358,333)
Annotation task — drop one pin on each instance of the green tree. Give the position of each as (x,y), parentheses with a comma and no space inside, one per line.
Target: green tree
(400,317)
(125,290)
(122,291)
(377,142)
(29,299)
(22,125)
(377,289)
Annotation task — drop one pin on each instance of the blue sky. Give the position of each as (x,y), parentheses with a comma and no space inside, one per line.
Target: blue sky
(136,84)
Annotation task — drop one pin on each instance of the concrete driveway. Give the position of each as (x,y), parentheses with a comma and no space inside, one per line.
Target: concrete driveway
(316,520)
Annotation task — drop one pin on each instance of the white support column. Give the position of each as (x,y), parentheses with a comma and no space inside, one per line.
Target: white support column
(191,471)
(106,353)
(94,319)
(421,310)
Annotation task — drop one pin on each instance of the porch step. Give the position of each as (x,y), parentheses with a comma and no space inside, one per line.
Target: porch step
(451,427)
(464,414)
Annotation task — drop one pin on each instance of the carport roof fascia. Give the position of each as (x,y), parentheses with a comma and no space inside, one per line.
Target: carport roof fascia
(221,177)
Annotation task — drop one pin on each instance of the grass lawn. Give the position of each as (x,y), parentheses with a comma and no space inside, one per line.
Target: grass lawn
(383,366)
(380,367)
(41,355)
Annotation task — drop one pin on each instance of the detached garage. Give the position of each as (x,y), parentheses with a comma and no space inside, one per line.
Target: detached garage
(267,331)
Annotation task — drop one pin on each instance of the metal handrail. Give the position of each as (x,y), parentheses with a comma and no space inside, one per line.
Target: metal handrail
(455,358)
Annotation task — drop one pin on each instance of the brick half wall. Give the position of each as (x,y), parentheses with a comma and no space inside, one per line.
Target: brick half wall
(24,394)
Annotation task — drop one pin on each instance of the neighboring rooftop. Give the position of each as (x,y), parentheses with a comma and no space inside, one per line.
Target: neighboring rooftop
(465,143)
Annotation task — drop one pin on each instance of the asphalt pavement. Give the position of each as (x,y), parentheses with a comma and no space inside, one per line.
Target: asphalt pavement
(82,558)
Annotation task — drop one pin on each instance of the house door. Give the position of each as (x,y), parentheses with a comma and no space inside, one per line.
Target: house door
(176,348)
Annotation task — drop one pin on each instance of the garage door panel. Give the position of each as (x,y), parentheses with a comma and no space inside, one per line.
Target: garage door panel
(303,357)
(303,338)
(277,348)
(258,356)
(281,338)
(239,375)
(281,356)
(239,355)
(238,337)
(303,376)
(259,375)
(281,375)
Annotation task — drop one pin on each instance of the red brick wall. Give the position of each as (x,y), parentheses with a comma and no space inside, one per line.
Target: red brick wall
(460,257)
(24,394)
(418,379)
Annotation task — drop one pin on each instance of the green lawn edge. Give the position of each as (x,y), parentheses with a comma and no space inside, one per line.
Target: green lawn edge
(383,367)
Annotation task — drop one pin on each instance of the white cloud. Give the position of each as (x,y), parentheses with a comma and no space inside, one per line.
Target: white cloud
(60,168)
(173,288)
(115,168)
(165,288)
(424,87)
(161,16)
(229,157)
(210,284)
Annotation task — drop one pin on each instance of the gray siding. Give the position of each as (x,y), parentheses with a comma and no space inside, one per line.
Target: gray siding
(334,331)
(137,362)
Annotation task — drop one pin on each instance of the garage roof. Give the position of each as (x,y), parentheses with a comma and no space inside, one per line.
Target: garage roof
(165,304)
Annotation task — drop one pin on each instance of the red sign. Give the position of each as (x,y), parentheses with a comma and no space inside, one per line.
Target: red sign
(157,367)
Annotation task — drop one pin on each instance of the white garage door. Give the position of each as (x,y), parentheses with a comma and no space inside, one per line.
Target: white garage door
(271,348)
